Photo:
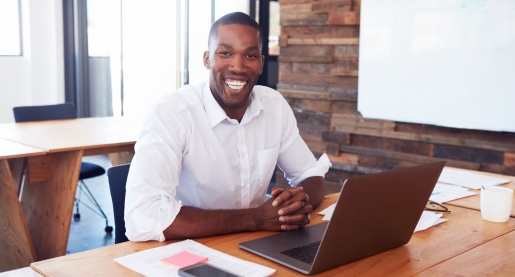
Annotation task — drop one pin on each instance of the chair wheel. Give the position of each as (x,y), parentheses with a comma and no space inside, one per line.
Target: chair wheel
(76,217)
(108,229)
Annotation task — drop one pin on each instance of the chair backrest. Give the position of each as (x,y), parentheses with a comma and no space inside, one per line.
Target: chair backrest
(48,112)
(117,178)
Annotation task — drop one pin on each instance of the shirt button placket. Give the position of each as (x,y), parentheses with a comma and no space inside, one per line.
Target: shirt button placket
(244,168)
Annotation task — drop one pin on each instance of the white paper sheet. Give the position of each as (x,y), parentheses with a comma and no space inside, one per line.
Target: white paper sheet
(327,212)
(148,262)
(427,220)
(443,193)
(468,179)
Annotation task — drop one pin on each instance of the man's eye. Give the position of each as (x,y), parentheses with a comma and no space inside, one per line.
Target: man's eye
(223,53)
(252,56)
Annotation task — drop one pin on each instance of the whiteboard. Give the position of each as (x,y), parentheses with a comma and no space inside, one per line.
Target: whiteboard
(441,62)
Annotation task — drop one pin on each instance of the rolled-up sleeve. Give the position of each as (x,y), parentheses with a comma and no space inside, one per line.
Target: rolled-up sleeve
(298,163)
(150,203)
(295,158)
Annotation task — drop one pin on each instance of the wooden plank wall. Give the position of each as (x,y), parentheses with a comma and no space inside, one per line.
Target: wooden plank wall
(318,75)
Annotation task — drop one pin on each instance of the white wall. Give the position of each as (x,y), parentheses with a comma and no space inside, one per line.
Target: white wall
(37,78)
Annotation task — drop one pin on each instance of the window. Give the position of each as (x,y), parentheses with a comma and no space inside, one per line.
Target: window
(10,28)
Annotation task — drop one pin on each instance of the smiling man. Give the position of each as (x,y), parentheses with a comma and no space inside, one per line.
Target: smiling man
(207,152)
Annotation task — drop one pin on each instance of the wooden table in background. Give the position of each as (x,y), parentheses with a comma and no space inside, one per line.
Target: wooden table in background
(472,202)
(15,241)
(465,230)
(51,181)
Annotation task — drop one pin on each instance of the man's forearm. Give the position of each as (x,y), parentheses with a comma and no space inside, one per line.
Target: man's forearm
(195,223)
(315,189)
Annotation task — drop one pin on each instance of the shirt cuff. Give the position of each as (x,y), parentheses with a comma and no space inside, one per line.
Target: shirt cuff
(320,168)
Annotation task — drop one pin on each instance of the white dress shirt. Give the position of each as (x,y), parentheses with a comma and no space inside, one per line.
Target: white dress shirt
(190,153)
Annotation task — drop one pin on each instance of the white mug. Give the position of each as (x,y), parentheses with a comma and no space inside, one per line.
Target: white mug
(496,203)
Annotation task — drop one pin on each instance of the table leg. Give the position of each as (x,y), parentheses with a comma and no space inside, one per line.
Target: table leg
(15,242)
(17,167)
(48,205)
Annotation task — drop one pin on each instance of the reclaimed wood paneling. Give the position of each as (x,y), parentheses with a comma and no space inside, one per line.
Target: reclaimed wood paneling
(468,154)
(318,80)
(322,32)
(307,50)
(326,6)
(306,59)
(321,41)
(343,18)
(509,159)
(318,76)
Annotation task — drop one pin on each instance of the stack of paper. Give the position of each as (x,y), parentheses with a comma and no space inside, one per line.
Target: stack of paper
(443,193)
(427,219)
(149,263)
(468,179)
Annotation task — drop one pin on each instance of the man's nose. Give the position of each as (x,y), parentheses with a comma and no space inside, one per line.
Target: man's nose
(238,63)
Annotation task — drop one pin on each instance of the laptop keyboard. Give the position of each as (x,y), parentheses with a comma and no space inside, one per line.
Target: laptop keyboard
(305,253)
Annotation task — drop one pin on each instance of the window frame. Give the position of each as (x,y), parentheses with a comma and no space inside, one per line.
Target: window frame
(20,31)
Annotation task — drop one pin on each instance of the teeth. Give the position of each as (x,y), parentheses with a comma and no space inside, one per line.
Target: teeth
(236,85)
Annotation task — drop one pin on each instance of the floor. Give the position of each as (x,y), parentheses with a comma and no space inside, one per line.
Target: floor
(88,232)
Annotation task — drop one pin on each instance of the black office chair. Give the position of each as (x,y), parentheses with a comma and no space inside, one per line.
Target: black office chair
(117,179)
(87,170)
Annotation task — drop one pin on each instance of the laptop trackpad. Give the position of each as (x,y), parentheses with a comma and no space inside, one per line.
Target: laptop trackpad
(302,236)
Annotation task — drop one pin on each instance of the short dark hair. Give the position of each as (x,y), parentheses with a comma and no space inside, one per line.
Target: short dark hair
(234,18)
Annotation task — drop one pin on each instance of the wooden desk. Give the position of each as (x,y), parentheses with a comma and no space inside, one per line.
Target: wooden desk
(17,250)
(464,231)
(50,186)
(472,202)
(496,257)
(22,272)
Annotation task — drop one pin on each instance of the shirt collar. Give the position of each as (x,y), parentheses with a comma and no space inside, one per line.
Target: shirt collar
(216,114)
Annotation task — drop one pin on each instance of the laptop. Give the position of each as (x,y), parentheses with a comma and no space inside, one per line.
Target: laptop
(373,214)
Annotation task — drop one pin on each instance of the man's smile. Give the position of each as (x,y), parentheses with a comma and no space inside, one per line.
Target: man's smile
(235,84)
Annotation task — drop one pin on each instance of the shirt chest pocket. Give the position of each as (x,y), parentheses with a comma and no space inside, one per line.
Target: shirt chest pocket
(267,160)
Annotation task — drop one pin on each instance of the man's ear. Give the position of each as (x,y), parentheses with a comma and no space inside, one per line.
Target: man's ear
(207,63)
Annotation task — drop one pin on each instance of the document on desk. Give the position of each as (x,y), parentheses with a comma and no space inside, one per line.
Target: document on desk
(428,219)
(468,179)
(444,193)
(148,262)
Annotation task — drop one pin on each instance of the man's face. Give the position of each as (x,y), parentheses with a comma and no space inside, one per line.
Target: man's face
(235,63)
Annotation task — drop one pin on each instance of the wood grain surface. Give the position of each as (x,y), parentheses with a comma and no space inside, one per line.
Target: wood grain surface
(48,205)
(10,149)
(494,258)
(465,230)
(74,134)
(15,243)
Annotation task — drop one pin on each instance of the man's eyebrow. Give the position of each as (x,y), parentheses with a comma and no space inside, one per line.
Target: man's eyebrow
(226,45)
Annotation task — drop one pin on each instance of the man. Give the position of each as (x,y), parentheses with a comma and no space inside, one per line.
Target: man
(207,152)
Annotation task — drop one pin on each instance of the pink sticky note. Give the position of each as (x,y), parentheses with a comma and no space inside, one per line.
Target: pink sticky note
(183,259)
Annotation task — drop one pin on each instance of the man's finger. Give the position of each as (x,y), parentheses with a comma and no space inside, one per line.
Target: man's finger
(285,195)
(292,208)
(296,225)
(295,219)
(276,191)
